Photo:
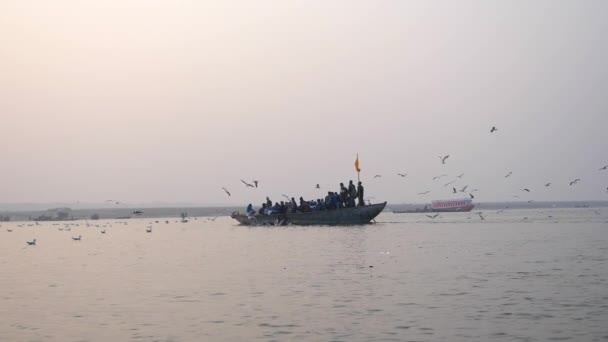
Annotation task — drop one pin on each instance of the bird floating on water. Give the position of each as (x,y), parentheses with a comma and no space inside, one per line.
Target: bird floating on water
(444,158)
(377,176)
(574,181)
(149,229)
(103,231)
(494,129)
(548,184)
(31,243)
(226,190)
(603,168)
(402,175)
(460,175)
(138,212)
(77,238)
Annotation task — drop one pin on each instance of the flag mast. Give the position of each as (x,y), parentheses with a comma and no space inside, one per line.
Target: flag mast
(357,168)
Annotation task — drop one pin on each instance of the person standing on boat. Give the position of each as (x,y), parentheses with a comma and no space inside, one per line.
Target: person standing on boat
(343,196)
(352,194)
(360,194)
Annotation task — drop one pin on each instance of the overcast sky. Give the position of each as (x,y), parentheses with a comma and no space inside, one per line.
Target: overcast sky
(172,100)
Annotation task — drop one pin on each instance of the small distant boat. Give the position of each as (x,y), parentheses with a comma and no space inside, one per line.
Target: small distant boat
(465,204)
(333,217)
(456,205)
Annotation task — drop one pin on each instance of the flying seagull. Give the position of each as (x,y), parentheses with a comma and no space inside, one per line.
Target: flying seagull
(493,129)
(471,196)
(548,184)
(481,216)
(508,174)
(114,201)
(377,176)
(256,183)
(444,158)
(226,190)
(454,190)
(446,184)
(247,184)
(318,186)
(575,181)
(460,175)
(603,168)
(432,216)
(426,192)
(31,243)
(527,190)
(464,188)
(286,197)
(402,175)
(440,176)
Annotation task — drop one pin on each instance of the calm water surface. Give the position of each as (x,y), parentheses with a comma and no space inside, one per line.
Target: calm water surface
(529,275)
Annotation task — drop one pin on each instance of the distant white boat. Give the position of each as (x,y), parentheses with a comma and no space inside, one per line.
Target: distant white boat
(465,204)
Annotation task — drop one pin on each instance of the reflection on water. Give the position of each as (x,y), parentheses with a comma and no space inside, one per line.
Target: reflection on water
(407,278)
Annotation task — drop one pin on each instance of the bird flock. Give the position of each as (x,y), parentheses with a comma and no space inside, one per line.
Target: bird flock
(444,160)
(88,228)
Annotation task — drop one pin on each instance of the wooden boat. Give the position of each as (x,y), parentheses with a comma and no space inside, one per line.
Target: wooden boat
(344,216)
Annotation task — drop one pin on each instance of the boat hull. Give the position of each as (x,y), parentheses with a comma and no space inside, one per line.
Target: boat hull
(345,216)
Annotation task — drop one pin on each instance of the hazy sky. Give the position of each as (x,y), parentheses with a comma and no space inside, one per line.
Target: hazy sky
(171,100)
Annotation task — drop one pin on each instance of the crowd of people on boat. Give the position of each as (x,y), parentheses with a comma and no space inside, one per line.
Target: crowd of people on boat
(347,197)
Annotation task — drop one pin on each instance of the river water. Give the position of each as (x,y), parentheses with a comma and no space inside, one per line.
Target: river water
(517,275)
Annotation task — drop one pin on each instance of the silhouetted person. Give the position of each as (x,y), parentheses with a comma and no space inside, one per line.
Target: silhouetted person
(360,194)
(343,195)
(352,194)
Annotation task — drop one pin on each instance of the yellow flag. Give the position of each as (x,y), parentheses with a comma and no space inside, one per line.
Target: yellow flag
(357,164)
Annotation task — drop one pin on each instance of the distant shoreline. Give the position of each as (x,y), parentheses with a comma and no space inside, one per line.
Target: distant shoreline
(202,211)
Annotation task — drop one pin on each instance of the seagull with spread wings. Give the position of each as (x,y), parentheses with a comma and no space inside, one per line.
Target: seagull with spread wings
(247,184)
